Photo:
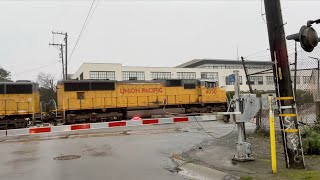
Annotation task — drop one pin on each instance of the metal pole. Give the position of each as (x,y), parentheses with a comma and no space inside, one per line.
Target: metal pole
(272,137)
(318,88)
(318,79)
(281,69)
(236,89)
(295,67)
(240,127)
(243,148)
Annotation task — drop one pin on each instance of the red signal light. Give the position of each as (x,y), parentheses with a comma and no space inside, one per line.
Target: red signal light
(136,118)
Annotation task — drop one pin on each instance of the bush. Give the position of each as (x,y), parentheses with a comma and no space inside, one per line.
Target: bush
(311,139)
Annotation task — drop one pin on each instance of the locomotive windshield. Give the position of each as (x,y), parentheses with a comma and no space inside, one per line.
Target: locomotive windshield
(210,84)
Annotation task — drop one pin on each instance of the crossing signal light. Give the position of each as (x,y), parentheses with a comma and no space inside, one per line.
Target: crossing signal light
(307,37)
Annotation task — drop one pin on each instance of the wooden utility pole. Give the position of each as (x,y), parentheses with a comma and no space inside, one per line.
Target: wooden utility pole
(285,97)
(66,52)
(60,47)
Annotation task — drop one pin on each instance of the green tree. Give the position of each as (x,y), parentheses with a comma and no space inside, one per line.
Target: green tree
(4,74)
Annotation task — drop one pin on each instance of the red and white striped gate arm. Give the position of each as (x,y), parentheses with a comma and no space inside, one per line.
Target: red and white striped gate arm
(104,125)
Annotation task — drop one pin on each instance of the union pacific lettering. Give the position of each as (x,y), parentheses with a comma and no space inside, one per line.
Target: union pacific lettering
(140,90)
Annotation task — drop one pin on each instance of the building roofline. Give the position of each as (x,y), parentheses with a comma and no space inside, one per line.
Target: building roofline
(101,63)
(198,62)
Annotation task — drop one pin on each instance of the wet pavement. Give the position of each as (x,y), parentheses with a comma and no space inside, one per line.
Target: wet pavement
(123,153)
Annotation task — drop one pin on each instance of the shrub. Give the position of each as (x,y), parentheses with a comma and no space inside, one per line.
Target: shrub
(311,139)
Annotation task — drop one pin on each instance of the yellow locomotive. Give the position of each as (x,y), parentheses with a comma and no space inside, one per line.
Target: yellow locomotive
(104,100)
(19,102)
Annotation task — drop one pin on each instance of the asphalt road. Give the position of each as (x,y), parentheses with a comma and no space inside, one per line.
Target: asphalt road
(124,153)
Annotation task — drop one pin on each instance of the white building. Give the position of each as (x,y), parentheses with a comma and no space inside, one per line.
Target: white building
(214,69)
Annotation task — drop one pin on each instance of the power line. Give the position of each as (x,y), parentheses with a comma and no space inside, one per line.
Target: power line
(32,69)
(258,52)
(91,15)
(82,29)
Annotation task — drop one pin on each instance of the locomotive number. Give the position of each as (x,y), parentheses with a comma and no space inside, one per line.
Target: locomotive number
(211,91)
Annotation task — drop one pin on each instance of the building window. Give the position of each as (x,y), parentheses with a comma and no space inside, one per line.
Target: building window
(232,83)
(210,75)
(110,75)
(186,75)
(81,76)
(256,80)
(160,75)
(132,75)
(94,75)
(270,80)
(298,79)
(306,79)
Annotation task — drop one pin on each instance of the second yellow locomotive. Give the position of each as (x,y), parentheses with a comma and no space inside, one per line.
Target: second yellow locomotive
(103,100)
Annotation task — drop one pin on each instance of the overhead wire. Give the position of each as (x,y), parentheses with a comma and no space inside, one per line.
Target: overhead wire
(91,15)
(258,52)
(83,28)
(33,69)
(267,56)
(29,70)
(261,56)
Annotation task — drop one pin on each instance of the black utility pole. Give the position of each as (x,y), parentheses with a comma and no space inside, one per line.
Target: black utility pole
(286,100)
(66,52)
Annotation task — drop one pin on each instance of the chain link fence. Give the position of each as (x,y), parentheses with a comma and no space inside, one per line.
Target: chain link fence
(307,83)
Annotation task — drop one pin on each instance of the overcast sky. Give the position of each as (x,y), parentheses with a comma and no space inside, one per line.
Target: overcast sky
(138,33)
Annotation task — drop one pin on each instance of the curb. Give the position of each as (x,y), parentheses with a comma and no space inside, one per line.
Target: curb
(104,125)
(194,171)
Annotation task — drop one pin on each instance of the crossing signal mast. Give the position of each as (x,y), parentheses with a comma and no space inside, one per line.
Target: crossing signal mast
(308,39)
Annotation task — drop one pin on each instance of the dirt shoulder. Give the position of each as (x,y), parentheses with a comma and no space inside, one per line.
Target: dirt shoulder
(218,153)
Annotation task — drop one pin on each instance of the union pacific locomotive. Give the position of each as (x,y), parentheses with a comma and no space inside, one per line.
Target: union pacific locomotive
(104,100)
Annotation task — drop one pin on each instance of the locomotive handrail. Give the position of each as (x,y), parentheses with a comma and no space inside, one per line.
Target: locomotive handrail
(173,99)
